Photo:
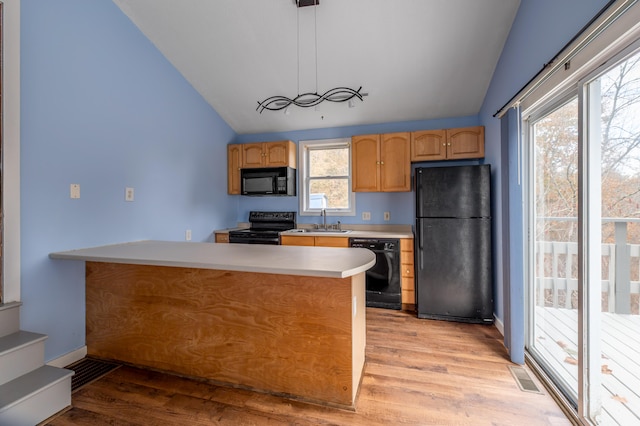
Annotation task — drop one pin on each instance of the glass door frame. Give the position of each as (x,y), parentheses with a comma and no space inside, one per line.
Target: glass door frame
(589,252)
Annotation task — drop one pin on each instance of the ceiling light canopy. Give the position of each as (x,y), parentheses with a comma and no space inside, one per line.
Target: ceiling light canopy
(306,100)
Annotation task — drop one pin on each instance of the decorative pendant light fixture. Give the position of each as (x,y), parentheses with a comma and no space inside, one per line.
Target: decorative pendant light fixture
(306,100)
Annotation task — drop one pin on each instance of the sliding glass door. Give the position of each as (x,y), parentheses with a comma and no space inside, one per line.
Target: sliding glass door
(584,242)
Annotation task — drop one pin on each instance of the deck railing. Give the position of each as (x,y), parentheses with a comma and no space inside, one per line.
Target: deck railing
(556,272)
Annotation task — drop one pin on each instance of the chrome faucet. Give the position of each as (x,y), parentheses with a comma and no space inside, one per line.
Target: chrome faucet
(323,213)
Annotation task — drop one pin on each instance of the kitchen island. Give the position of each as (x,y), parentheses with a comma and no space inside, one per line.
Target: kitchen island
(278,319)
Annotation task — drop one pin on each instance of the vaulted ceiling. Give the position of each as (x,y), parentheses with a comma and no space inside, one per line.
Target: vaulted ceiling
(416,59)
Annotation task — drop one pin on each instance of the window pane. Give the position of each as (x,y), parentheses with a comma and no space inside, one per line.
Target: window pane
(329,162)
(618,294)
(325,179)
(329,193)
(554,305)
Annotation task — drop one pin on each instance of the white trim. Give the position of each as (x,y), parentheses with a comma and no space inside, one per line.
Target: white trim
(11,150)
(499,325)
(303,166)
(70,358)
(589,252)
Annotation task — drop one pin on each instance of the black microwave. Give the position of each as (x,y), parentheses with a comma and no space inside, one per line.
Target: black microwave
(268,181)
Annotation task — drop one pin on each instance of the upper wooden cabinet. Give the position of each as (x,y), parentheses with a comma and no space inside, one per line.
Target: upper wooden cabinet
(429,145)
(381,163)
(449,144)
(234,164)
(269,154)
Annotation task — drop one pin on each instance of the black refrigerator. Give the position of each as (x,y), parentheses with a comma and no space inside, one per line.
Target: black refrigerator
(453,243)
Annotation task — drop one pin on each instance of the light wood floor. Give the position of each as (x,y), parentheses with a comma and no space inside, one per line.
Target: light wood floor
(418,372)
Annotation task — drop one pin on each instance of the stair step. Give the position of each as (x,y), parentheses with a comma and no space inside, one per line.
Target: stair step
(20,353)
(35,396)
(9,318)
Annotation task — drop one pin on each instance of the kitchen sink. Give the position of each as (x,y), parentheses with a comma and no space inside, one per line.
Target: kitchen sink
(320,230)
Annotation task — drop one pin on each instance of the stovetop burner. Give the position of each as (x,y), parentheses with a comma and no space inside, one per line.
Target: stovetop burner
(264,228)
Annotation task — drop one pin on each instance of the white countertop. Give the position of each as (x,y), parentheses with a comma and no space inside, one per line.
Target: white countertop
(289,260)
(356,231)
(351,234)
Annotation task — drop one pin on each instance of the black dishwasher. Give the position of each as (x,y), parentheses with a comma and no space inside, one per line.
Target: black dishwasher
(383,279)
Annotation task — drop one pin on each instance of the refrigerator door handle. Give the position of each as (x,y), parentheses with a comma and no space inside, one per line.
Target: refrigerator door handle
(419,191)
(420,245)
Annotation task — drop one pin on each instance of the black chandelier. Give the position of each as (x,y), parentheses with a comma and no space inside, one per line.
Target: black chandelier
(309,99)
(306,100)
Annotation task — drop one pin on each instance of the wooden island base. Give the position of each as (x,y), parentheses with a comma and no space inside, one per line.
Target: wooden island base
(299,336)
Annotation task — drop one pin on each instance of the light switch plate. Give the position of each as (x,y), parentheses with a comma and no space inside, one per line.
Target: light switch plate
(74,190)
(128,194)
(387,216)
(366,215)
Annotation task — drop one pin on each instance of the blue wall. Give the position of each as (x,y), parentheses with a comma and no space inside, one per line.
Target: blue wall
(102,107)
(540,30)
(400,205)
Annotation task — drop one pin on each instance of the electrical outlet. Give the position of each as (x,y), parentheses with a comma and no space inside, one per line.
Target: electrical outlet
(128,194)
(387,216)
(366,215)
(74,190)
(187,235)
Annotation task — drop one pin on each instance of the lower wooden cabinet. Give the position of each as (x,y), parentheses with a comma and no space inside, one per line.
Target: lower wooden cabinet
(407,272)
(221,237)
(309,240)
(332,241)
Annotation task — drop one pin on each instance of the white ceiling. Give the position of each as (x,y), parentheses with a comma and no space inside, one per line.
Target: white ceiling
(417,59)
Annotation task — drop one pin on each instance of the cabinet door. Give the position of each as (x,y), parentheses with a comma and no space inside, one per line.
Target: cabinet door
(407,271)
(395,162)
(222,237)
(289,240)
(332,241)
(280,154)
(467,142)
(252,155)
(365,167)
(428,145)
(234,163)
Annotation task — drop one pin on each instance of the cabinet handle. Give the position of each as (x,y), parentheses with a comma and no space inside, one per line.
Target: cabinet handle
(449,144)
(382,162)
(444,144)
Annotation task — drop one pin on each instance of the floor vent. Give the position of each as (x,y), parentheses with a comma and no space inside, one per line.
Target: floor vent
(88,370)
(524,381)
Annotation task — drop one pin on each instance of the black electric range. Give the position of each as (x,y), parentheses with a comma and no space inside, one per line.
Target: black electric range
(265,228)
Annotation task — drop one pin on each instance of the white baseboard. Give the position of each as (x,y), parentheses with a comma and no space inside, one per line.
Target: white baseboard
(69,358)
(499,325)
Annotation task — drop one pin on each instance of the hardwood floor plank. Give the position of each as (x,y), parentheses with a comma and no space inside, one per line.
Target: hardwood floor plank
(418,372)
